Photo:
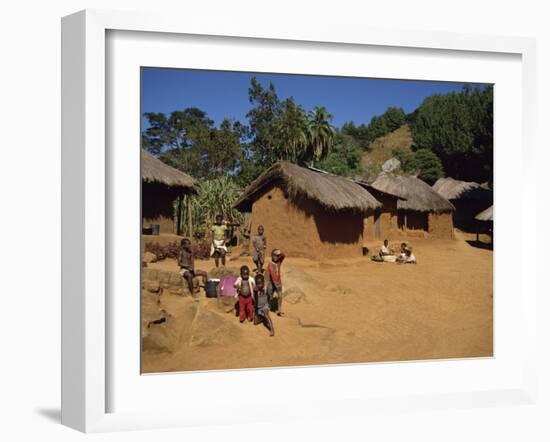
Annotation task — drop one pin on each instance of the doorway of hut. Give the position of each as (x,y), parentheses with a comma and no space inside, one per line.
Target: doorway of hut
(411,220)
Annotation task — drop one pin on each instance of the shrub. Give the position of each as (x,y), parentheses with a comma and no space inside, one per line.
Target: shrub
(201,250)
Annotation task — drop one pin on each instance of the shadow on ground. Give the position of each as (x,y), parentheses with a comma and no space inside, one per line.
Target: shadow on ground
(480,245)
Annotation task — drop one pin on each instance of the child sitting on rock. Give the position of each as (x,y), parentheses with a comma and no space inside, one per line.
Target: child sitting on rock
(275,284)
(262,301)
(245,289)
(186,263)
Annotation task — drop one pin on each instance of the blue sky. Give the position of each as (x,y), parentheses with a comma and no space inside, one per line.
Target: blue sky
(225,94)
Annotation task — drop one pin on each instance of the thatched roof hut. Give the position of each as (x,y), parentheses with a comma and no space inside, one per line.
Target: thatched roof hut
(416,194)
(486,215)
(161,185)
(332,192)
(155,171)
(452,189)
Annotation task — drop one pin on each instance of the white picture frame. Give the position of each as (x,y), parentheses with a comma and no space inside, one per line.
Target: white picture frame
(85,261)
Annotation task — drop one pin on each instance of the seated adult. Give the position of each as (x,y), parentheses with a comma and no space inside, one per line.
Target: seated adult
(407,258)
(384,250)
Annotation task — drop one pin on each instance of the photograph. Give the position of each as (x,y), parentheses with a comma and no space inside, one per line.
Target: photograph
(302,220)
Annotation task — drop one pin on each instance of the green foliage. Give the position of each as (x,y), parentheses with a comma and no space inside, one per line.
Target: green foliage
(359,133)
(320,133)
(422,163)
(291,128)
(407,159)
(458,128)
(216,196)
(188,141)
(429,166)
(393,118)
(345,158)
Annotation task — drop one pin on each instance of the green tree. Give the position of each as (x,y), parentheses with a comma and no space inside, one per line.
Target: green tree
(359,133)
(321,134)
(458,128)
(429,166)
(292,130)
(188,141)
(393,118)
(407,159)
(262,118)
(344,159)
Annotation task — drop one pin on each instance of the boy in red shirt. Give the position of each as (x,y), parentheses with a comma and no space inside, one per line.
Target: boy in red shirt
(275,284)
(245,289)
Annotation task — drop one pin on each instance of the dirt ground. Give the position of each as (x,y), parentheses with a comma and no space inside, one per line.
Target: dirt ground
(344,311)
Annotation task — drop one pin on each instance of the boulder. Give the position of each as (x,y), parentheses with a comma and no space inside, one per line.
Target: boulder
(213,329)
(391,165)
(220,272)
(149,257)
(150,274)
(151,286)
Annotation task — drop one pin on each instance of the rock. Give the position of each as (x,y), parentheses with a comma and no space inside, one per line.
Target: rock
(160,335)
(149,257)
(175,279)
(212,329)
(178,291)
(164,277)
(294,295)
(391,165)
(150,274)
(220,272)
(151,286)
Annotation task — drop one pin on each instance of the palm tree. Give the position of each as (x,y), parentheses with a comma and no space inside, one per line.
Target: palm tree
(320,133)
(292,131)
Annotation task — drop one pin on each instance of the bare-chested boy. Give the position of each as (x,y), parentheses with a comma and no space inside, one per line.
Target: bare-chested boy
(186,263)
(259,244)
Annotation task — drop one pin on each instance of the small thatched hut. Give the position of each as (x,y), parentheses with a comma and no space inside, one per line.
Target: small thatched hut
(306,212)
(469,198)
(161,185)
(420,209)
(486,215)
(485,222)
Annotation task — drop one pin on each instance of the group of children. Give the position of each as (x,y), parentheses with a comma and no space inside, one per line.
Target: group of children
(257,295)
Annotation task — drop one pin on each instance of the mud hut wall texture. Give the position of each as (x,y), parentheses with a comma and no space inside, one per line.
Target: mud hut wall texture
(302,228)
(387,219)
(440,225)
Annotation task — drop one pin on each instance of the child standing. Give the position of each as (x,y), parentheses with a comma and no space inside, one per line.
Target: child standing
(261,300)
(218,248)
(186,263)
(245,289)
(259,244)
(275,284)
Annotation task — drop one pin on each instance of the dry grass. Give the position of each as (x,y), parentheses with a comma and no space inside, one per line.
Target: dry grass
(380,150)
(332,192)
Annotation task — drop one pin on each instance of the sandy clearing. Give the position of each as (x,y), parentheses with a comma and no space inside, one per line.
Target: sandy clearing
(355,310)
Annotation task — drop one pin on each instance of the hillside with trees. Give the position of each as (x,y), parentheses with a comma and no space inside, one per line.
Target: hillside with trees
(448,135)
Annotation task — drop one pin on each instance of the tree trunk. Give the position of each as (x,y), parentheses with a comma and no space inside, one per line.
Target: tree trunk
(190,218)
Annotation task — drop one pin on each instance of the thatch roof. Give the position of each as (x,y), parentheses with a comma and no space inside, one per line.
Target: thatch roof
(416,194)
(486,215)
(332,192)
(155,171)
(452,189)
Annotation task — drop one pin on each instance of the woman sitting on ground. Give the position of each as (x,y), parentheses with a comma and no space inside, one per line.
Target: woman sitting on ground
(407,258)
